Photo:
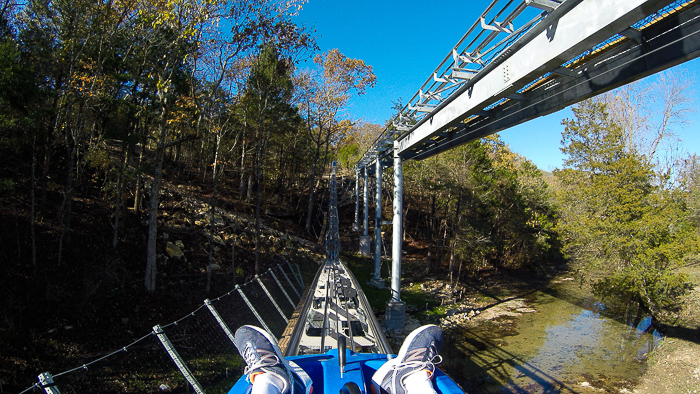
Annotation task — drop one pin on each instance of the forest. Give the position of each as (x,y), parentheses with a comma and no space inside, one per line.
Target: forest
(114,112)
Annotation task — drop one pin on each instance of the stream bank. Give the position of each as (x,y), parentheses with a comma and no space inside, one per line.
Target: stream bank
(530,335)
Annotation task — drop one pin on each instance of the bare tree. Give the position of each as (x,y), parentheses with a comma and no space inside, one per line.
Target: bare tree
(650,112)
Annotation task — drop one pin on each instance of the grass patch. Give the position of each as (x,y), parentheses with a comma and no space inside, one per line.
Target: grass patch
(363,269)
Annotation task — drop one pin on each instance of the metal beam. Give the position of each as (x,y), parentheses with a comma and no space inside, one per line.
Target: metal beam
(666,44)
(562,36)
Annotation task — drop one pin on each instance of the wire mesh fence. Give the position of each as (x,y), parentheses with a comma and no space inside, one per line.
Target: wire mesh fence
(195,353)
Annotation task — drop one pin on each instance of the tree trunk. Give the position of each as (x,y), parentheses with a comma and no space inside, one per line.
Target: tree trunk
(118,202)
(212,211)
(258,196)
(67,204)
(138,193)
(312,192)
(151,269)
(32,211)
(431,225)
(243,152)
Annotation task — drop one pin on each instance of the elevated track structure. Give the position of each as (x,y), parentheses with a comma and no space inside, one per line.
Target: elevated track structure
(518,61)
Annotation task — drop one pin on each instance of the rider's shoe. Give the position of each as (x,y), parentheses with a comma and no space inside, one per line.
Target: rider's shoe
(262,355)
(419,352)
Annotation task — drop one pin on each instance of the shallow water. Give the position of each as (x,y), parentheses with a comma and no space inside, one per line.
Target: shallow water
(562,347)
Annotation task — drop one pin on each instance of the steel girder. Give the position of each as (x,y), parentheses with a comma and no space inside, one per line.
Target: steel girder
(580,49)
(665,44)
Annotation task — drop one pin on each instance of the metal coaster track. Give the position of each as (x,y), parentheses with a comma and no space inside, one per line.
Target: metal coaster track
(335,307)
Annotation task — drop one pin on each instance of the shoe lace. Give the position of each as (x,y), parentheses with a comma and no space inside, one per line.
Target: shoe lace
(417,366)
(258,358)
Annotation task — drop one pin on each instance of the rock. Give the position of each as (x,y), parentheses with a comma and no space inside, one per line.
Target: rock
(217,240)
(451,312)
(471,313)
(179,244)
(526,310)
(174,251)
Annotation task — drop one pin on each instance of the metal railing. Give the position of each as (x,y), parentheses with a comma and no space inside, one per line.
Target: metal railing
(195,353)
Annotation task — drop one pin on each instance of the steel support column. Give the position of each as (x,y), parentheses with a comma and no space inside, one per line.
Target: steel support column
(365,220)
(364,238)
(395,314)
(356,225)
(397,226)
(378,221)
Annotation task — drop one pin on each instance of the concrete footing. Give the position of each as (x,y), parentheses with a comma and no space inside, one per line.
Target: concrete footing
(395,315)
(365,249)
(378,283)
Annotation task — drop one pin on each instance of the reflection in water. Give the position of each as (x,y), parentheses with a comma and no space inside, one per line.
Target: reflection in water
(556,349)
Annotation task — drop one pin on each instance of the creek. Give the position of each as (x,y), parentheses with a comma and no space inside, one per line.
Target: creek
(570,343)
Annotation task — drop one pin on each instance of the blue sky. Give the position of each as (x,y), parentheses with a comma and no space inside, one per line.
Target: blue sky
(405,41)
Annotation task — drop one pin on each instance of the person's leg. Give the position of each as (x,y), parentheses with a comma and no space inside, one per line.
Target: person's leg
(266,369)
(269,383)
(412,369)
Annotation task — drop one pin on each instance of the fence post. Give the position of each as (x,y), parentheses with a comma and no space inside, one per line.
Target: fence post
(300,278)
(46,383)
(289,281)
(219,320)
(272,299)
(282,288)
(158,330)
(262,322)
(295,275)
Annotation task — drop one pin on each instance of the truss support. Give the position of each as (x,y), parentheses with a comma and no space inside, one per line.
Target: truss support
(546,5)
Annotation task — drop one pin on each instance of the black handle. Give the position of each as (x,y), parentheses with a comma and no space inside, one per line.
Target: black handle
(341,352)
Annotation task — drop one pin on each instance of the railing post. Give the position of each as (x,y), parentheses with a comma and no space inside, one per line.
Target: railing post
(46,383)
(272,299)
(301,285)
(250,306)
(219,320)
(281,288)
(301,280)
(184,370)
(289,281)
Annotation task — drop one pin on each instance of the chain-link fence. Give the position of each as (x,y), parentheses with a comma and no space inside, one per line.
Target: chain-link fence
(195,353)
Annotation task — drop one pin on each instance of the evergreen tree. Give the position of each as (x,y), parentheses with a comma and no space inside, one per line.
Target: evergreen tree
(628,234)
